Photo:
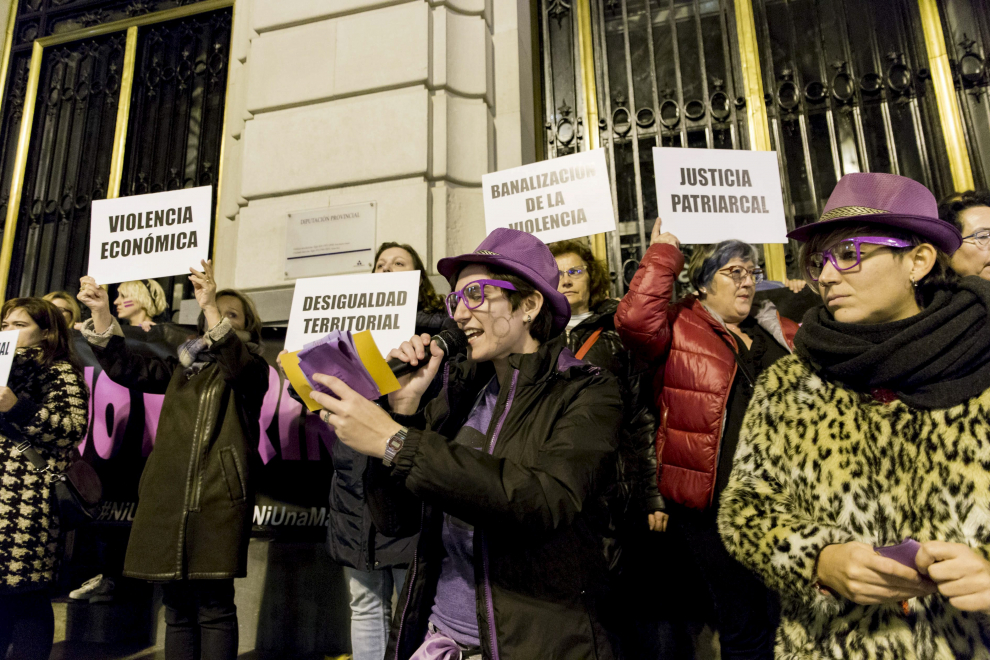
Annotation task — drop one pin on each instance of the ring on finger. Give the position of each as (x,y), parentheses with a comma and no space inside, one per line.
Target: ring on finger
(325,416)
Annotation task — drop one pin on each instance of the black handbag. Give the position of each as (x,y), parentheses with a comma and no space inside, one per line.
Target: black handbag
(77,491)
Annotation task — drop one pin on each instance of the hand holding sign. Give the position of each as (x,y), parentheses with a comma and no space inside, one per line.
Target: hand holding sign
(663,237)
(7,398)
(95,297)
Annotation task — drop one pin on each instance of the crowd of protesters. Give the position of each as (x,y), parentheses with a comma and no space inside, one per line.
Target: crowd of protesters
(825,474)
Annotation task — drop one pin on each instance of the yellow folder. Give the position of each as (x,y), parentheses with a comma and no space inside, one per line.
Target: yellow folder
(370,356)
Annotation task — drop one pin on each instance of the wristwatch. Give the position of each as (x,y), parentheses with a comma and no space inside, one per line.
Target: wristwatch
(394,445)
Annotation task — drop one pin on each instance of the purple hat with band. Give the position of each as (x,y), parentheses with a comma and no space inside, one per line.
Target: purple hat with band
(884,199)
(523,255)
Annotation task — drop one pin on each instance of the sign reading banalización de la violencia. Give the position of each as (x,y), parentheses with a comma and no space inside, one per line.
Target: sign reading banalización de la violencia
(711,195)
(146,236)
(555,200)
(384,303)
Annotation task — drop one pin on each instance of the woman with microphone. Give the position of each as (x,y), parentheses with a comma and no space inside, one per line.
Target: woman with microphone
(499,472)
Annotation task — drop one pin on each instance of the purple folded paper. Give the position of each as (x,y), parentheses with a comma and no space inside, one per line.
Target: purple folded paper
(335,355)
(904,552)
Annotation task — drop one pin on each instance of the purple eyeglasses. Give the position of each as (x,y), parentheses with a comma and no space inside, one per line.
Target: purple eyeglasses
(846,254)
(473,294)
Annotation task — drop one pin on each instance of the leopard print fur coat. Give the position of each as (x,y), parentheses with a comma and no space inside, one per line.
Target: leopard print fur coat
(819,464)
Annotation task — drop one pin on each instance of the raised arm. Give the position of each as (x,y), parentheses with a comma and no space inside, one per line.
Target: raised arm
(642,317)
(146,373)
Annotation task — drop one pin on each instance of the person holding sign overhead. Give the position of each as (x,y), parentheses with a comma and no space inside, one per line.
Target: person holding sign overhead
(861,488)
(44,405)
(709,350)
(193,517)
(500,472)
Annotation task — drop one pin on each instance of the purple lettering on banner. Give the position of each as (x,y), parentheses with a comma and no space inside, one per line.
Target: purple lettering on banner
(107,393)
(288,411)
(152,412)
(316,430)
(266,446)
(88,379)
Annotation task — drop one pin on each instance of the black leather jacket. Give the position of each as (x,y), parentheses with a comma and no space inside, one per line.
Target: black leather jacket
(634,493)
(531,498)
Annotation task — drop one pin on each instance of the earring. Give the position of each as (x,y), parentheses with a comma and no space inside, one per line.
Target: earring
(913,282)
(529,319)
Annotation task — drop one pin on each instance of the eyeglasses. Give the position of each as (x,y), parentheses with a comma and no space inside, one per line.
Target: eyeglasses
(473,294)
(572,272)
(846,254)
(980,238)
(739,274)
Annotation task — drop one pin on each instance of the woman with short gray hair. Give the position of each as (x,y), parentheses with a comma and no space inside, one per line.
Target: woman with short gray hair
(708,350)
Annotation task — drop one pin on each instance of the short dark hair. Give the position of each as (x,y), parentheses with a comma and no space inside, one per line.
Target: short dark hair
(55,340)
(706,260)
(429,300)
(541,329)
(950,207)
(941,276)
(598,285)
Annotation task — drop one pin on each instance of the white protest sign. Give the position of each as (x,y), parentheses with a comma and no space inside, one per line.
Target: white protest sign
(384,303)
(556,200)
(8,345)
(338,239)
(712,195)
(147,236)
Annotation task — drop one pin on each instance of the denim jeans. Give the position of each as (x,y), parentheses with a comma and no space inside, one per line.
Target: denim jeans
(371,609)
(200,619)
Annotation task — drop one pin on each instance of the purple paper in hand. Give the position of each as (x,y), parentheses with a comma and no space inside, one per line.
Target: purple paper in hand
(335,355)
(904,552)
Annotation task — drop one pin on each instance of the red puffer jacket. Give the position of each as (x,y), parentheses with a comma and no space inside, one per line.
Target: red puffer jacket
(695,370)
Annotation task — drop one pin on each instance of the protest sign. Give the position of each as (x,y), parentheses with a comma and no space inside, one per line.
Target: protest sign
(338,239)
(384,303)
(556,200)
(711,195)
(148,236)
(8,345)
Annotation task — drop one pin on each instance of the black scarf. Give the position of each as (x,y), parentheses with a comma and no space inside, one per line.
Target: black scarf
(936,359)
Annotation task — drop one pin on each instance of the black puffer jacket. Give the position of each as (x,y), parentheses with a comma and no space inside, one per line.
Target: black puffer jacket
(531,499)
(634,494)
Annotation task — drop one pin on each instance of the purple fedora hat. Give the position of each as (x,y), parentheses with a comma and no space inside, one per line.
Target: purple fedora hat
(521,254)
(884,199)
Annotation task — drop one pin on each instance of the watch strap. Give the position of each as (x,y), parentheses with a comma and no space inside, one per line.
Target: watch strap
(394,446)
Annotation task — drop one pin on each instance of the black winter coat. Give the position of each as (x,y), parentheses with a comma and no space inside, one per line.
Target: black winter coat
(634,492)
(195,498)
(531,499)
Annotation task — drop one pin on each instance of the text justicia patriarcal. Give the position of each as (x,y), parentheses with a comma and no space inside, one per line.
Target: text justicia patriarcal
(152,241)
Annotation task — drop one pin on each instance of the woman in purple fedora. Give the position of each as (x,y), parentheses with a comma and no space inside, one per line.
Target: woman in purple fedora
(874,433)
(499,472)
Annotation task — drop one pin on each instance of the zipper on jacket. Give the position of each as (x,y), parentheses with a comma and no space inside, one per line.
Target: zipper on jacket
(489,605)
(410,578)
(201,435)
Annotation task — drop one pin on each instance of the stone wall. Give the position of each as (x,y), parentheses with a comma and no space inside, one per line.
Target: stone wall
(403,102)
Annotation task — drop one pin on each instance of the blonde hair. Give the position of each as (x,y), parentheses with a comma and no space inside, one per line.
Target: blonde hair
(147,293)
(69,299)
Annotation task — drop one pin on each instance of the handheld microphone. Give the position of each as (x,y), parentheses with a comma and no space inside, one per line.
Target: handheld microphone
(452,341)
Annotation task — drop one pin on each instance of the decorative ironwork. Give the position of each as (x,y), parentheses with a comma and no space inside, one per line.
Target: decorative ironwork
(71,143)
(558,9)
(176,119)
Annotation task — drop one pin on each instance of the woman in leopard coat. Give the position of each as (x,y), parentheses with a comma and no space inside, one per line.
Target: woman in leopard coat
(873,432)
(45,403)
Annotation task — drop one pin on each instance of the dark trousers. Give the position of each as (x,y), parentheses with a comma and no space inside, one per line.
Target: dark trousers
(200,619)
(746,612)
(27,619)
